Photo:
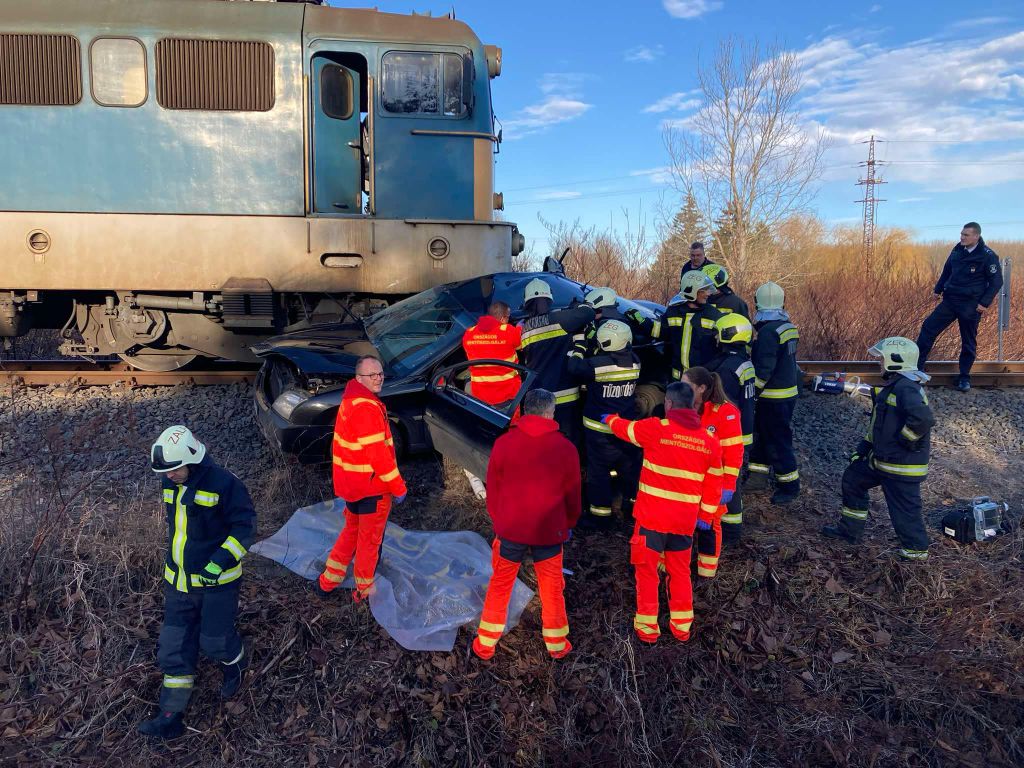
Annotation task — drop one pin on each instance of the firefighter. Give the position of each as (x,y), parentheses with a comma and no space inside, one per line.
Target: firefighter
(893,454)
(210,521)
(721,418)
(724,299)
(603,300)
(680,490)
(548,337)
(687,327)
(492,338)
(776,386)
(366,476)
(534,502)
(610,376)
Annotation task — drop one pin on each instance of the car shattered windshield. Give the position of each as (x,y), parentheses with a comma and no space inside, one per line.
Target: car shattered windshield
(413,332)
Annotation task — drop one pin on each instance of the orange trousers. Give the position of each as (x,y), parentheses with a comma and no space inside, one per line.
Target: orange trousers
(506,557)
(709,547)
(362,536)
(648,549)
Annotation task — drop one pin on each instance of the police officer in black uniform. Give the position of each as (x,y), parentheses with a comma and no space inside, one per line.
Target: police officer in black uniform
(893,454)
(776,384)
(725,299)
(210,520)
(611,376)
(547,340)
(969,282)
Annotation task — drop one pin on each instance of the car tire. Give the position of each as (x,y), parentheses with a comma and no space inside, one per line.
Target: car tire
(400,436)
(648,397)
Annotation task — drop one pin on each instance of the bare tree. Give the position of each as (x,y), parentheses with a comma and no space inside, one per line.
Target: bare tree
(745,156)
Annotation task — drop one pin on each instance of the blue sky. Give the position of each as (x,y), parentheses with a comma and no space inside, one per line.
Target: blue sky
(587,88)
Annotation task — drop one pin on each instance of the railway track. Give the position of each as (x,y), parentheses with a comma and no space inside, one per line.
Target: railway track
(36,373)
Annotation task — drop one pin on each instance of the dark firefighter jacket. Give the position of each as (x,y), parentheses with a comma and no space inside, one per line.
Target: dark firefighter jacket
(974,276)
(774,357)
(611,384)
(689,335)
(898,440)
(737,373)
(727,301)
(547,339)
(209,519)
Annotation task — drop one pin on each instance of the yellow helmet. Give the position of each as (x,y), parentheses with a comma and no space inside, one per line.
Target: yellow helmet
(733,328)
(691,283)
(718,274)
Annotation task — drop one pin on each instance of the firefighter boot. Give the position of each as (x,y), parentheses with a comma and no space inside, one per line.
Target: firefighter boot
(234,674)
(166,725)
(837,532)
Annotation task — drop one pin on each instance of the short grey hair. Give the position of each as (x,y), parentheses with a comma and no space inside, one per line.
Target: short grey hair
(364,358)
(538,402)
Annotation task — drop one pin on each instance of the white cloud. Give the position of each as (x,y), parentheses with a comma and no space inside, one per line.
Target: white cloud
(690,9)
(562,101)
(875,8)
(559,194)
(659,176)
(674,102)
(644,53)
(913,199)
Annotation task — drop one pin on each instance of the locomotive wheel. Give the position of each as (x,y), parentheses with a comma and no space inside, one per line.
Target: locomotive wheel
(154,361)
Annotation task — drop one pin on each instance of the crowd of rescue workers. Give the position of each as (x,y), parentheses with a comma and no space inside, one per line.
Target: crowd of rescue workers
(678,475)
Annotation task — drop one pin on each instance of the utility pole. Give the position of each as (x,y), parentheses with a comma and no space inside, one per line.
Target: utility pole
(870,201)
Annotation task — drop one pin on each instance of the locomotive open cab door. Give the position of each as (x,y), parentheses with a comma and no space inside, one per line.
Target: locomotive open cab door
(337,151)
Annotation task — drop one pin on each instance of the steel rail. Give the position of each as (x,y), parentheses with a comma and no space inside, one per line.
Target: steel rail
(38,373)
(985,373)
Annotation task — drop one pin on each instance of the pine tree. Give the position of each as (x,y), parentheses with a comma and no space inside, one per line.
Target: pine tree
(687,227)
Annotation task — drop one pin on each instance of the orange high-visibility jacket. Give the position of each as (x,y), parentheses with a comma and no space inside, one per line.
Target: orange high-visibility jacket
(491,340)
(724,422)
(364,452)
(681,478)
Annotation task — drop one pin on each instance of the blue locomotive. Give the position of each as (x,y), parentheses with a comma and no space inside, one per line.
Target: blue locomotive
(185,177)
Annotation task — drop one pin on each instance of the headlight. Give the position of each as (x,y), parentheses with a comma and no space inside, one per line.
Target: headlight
(288,401)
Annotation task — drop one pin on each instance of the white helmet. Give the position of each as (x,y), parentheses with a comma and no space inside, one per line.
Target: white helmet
(769,296)
(537,289)
(599,298)
(613,336)
(897,352)
(692,283)
(175,448)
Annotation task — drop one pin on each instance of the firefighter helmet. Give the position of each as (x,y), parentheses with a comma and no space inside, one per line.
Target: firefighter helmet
(769,296)
(537,289)
(599,298)
(175,448)
(897,352)
(718,274)
(613,335)
(692,283)
(733,328)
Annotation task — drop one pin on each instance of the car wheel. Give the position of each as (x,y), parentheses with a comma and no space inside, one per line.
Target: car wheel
(398,434)
(648,397)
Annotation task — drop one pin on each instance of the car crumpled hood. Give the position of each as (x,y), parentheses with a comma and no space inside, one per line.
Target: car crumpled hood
(326,349)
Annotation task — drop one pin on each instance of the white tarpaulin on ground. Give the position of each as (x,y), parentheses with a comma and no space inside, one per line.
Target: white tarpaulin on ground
(429,583)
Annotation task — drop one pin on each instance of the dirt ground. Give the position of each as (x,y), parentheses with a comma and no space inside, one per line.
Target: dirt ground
(804,652)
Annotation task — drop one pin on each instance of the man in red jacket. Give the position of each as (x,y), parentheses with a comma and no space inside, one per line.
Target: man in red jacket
(492,338)
(533,482)
(365,476)
(680,489)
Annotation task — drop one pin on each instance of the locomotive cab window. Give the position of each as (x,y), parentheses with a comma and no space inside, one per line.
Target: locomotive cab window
(427,83)
(336,92)
(117,69)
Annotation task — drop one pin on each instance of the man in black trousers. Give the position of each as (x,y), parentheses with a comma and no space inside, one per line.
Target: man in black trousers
(970,280)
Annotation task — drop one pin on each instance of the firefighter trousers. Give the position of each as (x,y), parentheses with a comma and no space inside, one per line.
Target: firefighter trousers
(202,619)
(646,550)
(773,443)
(361,538)
(903,498)
(605,454)
(966,314)
(506,557)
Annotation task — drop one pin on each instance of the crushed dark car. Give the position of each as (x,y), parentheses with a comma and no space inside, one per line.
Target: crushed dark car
(419,340)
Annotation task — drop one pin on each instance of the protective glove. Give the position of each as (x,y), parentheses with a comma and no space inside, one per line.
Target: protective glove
(727,496)
(399,499)
(703,525)
(605,417)
(636,316)
(209,576)
(569,537)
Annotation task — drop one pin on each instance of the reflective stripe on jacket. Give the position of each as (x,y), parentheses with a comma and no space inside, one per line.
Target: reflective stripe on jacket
(611,384)
(209,519)
(491,340)
(899,433)
(363,449)
(681,478)
(689,336)
(774,357)
(722,420)
(734,368)
(547,340)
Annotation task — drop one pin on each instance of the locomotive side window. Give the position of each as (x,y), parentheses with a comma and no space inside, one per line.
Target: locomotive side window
(229,75)
(336,92)
(40,70)
(424,83)
(117,68)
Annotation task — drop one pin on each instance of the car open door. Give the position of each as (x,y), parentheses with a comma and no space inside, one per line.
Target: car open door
(463,428)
